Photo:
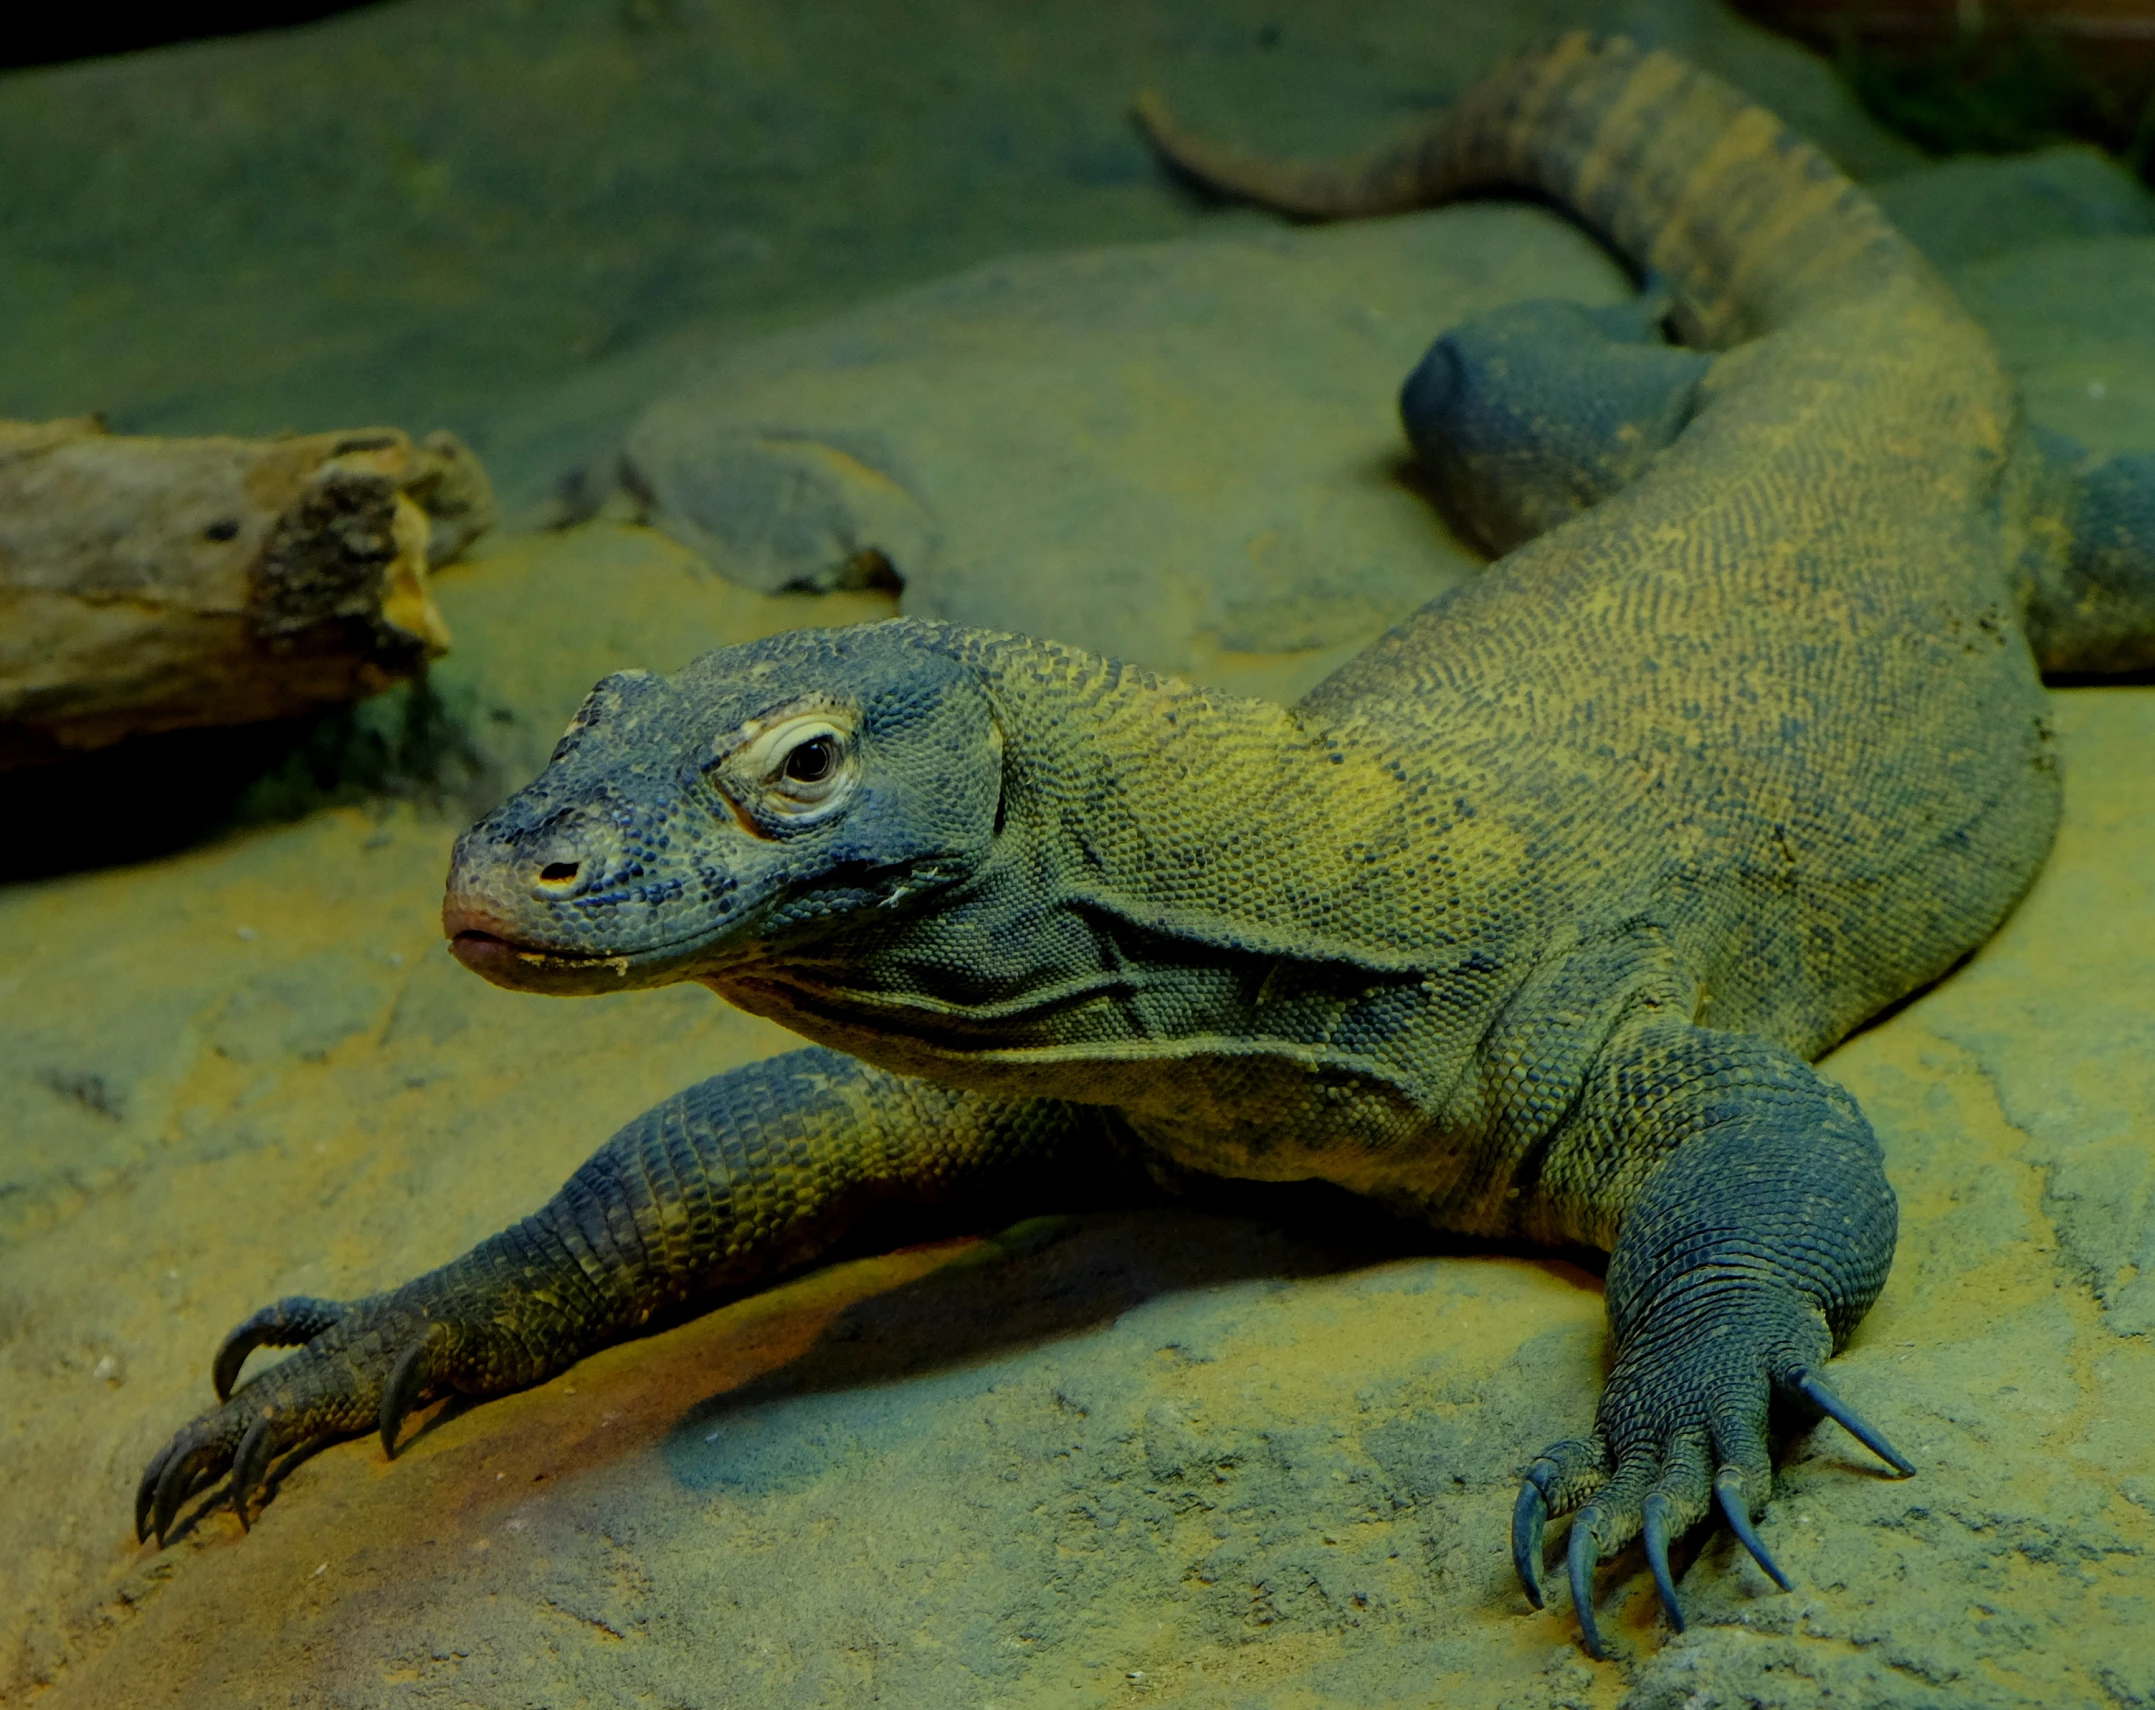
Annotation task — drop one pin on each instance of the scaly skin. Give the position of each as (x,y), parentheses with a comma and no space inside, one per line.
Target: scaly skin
(1526,922)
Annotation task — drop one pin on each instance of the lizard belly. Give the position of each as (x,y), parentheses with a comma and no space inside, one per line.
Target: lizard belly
(1261,1119)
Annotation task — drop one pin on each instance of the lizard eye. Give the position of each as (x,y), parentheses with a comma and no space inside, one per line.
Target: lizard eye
(795,770)
(811,762)
(810,769)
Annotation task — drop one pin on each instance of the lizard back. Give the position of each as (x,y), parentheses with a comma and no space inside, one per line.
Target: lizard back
(1774,691)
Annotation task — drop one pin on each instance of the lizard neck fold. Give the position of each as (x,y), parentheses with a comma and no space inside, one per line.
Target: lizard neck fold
(1176,874)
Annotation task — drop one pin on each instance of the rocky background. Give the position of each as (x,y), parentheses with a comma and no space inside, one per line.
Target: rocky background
(679,272)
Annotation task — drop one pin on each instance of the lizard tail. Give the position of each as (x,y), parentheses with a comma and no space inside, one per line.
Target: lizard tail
(1685,177)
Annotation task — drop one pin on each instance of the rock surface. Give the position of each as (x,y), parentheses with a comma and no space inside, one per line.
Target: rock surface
(1165,452)
(1251,1453)
(513,217)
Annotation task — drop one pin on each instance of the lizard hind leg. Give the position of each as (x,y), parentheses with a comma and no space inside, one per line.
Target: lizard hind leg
(1526,416)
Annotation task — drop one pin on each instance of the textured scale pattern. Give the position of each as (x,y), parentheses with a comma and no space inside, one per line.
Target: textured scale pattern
(1527,922)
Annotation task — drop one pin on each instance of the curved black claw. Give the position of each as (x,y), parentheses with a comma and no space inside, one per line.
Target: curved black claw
(1833,1407)
(146,1491)
(1728,1488)
(181,1475)
(400,1393)
(249,1461)
(1656,1528)
(1529,1519)
(288,1323)
(1580,1557)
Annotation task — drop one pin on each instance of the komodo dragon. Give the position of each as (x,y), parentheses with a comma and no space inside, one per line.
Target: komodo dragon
(1526,923)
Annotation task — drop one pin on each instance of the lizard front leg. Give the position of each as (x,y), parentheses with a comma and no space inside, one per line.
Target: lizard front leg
(728,1184)
(1752,1228)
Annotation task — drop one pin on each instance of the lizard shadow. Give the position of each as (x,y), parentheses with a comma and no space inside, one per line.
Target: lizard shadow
(1045,1280)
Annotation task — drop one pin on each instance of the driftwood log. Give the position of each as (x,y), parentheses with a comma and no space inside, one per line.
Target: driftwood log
(147,584)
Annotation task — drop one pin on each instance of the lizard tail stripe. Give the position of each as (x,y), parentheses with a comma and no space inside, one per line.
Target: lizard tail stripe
(1684,176)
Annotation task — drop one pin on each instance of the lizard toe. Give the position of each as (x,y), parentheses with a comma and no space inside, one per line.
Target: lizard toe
(1610,1520)
(288,1323)
(1680,1497)
(248,1462)
(193,1458)
(408,1381)
(1736,1510)
(1562,1476)
(1656,1537)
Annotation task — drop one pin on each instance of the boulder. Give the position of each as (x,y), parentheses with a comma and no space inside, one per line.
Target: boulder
(1184,454)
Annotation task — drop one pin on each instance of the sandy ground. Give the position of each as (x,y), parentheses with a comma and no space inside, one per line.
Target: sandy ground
(1157,1453)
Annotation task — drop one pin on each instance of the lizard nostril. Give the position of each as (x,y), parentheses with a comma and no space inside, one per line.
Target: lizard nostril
(559,872)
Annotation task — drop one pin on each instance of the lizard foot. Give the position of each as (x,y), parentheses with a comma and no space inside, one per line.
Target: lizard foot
(1681,1430)
(361,1363)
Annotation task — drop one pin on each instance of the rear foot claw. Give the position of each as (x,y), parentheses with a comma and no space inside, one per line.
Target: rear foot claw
(1681,1432)
(1657,1557)
(1807,1385)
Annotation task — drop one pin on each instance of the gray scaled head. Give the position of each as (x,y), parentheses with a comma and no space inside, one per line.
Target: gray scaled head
(760,800)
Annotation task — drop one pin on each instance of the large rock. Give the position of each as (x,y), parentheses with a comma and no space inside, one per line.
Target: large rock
(2054,252)
(1977,207)
(1183,454)
(2072,318)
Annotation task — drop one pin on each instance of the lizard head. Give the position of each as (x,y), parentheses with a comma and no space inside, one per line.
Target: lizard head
(762,798)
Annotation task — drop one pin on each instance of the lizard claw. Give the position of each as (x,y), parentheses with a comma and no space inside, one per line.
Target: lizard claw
(1807,1385)
(1562,1477)
(400,1394)
(289,1323)
(1582,1556)
(249,1461)
(1728,1488)
(181,1471)
(146,1491)
(1656,1526)
(1529,1518)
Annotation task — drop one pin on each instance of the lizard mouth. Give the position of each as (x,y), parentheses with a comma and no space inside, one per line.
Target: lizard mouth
(475,939)
(504,962)
(487,952)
